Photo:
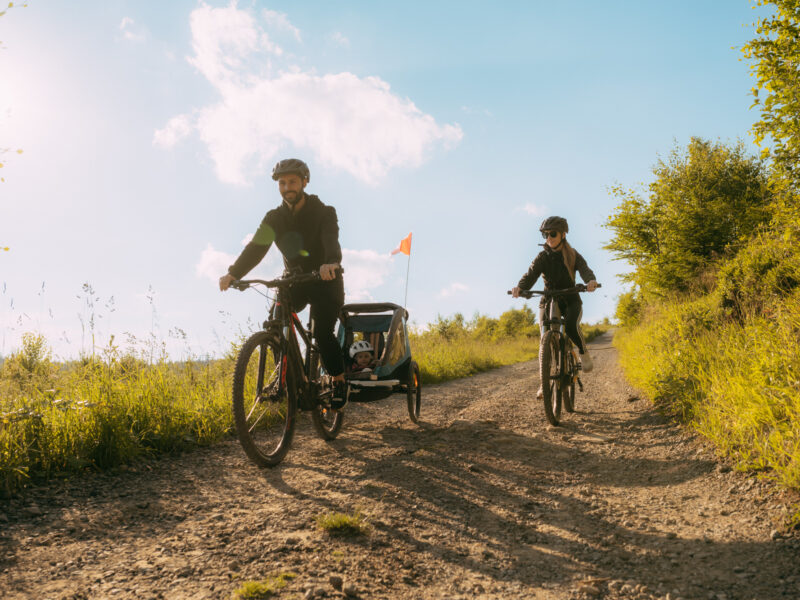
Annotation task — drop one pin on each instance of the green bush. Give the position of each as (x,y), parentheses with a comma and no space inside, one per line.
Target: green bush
(735,381)
(757,280)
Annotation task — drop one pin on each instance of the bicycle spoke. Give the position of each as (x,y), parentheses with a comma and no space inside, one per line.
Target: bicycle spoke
(258,420)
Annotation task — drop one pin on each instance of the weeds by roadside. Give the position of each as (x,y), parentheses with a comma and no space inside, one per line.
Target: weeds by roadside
(343,524)
(736,381)
(266,588)
(112,406)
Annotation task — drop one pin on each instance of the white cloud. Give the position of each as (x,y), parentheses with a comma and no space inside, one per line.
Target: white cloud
(339,39)
(213,263)
(535,210)
(344,121)
(477,111)
(453,289)
(175,129)
(281,21)
(130,31)
(223,39)
(364,270)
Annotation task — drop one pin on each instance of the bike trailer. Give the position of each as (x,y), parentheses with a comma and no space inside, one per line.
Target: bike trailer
(384,325)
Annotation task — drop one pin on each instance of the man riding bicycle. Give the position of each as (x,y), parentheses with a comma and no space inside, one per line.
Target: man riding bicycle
(557,264)
(306,232)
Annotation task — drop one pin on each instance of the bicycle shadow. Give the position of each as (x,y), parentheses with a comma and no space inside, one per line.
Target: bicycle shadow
(501,505)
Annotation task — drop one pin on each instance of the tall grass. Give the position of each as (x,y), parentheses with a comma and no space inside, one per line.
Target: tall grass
(112,407)
(453,347)
(104,412)
(736,381)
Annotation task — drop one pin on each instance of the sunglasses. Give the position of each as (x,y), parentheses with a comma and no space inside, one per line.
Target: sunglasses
(552,234)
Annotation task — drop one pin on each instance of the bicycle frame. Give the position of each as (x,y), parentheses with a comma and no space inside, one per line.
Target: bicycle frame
(290,329)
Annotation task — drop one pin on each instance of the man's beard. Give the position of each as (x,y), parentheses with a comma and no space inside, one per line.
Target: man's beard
(290,199)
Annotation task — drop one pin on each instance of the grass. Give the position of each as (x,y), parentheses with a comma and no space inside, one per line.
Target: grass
(110,408)
(736,381)
(102,413)
(343,524)
(266,588)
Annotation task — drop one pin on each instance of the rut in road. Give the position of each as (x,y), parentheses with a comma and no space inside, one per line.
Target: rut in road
(484,499)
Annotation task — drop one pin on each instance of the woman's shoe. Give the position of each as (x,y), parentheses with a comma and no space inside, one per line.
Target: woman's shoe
(587,364)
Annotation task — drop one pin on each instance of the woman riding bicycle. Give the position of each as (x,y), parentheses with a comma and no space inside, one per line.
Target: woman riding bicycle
(557,264)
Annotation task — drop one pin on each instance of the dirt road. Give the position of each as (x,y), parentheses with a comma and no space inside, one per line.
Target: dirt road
(483,500)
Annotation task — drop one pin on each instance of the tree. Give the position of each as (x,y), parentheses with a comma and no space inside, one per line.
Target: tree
(704,202)
(776,52)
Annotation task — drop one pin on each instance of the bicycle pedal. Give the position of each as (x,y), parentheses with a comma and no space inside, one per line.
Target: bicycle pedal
(580,384)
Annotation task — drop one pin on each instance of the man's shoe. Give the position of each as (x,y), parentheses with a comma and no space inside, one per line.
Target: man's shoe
(586,362)
(340,393)
(539,393)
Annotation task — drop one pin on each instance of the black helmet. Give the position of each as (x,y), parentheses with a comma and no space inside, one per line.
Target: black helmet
(291,165)
(554,224)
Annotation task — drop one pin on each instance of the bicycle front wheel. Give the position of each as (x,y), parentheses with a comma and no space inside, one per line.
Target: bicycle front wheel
(550,372)
(264,402)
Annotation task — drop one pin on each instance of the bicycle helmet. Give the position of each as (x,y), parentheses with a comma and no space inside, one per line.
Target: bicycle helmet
(554,224)
(291,165)
(362,346)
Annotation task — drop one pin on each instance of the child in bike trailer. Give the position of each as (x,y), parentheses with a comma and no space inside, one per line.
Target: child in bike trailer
(363,360)
(557,264)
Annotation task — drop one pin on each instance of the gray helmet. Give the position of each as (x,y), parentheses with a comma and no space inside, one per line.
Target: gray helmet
(291,165)
(554,224)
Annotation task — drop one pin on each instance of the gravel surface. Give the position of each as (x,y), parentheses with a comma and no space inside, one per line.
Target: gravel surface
(482,499)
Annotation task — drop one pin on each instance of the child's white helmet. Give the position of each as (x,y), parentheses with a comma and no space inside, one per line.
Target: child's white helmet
(362,346)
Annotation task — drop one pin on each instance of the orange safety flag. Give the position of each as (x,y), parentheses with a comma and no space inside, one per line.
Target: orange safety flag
(404,247)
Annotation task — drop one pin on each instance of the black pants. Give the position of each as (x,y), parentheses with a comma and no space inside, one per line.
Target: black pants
(326,299)
(572,309)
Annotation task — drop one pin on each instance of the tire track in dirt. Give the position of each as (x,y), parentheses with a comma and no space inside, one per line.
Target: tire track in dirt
(484,499)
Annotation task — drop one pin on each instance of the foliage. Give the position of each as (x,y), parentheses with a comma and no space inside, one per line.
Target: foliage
(103,412)
(735,382)
(32,364)
(629,308)
(112,406)
(757,280)
(776,55)
(704,203)
(343,524)
(454,347)
(267,588)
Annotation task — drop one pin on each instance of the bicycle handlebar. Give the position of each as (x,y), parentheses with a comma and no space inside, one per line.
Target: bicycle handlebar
(579,288)
(283,281)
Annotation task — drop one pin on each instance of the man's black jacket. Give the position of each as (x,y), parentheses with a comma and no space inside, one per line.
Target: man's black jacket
(307,240)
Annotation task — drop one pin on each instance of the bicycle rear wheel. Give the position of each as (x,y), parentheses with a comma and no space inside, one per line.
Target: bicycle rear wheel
(327,422)
(264,402)
(568,389)
(550,372)
(414,391)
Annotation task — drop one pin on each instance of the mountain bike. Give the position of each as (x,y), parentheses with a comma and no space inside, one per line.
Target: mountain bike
(273,378)
(558,364)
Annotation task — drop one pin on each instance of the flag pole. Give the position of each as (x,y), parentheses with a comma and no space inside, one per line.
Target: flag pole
(408,267)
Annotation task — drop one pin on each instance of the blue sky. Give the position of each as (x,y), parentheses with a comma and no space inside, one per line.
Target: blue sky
(149,129)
